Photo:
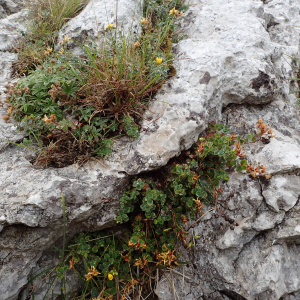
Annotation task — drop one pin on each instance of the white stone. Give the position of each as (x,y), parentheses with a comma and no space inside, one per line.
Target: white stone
(90,23)
(283,192)
(10,29)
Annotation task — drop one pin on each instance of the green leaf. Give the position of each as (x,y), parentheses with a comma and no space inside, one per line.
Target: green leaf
(244,162)
(150,202)
(134,239)
(139,184)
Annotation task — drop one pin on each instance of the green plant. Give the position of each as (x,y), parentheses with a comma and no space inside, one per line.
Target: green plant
(50,15)
(74,106)
(158,209)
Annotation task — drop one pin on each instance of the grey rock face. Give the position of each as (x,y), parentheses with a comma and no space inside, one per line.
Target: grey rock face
(89,25)
(31,209)
(10,30)
(8,7)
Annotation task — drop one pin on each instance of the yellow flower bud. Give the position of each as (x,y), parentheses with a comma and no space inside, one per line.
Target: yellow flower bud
(158,60)
(144,21)
(110,26)
(172,11)
(66,38)
(110,276)
(136,44)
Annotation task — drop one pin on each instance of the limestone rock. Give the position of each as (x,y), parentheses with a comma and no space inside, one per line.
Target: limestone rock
(90,23)
(11,29)
(282,193)
(8,132)
(8,7)
(31,210)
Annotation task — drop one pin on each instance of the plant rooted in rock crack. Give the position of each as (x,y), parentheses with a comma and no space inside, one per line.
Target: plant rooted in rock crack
(76,104)
(158,210)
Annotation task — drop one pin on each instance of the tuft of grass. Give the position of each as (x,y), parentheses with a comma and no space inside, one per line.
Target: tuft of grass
(45,19)
(50,15)
(74,106)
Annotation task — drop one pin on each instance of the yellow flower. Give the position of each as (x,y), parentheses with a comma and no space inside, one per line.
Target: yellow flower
(158,60)
(136,44)
(144,21)
(173,11)
(88,277)
(49,120)
(92,272)
(110,26)
(46,120)
(110,276)
(48,51)
(61,51)
(66,39)
(9,111)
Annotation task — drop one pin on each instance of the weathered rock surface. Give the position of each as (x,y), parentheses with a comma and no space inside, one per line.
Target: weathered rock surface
(8,132)
(231,67)
(259,259)
(31,210)
(89,25)
(11,28)
(8,7)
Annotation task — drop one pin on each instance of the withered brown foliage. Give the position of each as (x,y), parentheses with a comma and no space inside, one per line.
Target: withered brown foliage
(63,150)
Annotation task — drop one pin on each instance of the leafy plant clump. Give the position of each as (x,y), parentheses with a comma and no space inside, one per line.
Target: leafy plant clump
(74,105)
(158,209)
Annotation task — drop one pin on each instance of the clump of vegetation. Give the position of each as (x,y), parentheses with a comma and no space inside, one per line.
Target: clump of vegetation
(157,211)
(75,105)
(45,19)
